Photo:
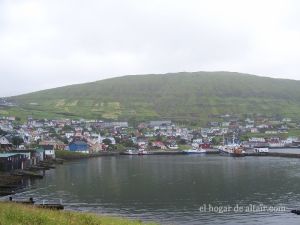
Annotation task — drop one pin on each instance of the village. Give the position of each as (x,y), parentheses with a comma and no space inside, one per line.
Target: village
(24,144)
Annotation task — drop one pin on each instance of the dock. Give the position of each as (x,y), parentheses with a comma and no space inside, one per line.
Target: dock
(51,206)
(274,154)
(25,173)
(26,202)
(30,201)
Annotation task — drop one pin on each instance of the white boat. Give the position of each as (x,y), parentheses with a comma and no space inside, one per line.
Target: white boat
(194,151)
(261,150)
(130,152)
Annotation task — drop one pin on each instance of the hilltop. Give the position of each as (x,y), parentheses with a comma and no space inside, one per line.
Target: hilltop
(176,96)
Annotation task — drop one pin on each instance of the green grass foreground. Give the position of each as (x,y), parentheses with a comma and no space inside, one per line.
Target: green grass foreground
(16,214)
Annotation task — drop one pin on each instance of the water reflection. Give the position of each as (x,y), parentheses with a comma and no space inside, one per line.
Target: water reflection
(170,189)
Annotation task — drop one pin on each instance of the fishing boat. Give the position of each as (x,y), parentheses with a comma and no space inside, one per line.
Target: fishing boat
(232,149)
(195,151)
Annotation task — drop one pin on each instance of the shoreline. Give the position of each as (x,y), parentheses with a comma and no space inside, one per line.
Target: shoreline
(67,156)
(271,154)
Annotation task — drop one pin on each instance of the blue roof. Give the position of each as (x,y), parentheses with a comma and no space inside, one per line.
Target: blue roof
(6,155)
(78,143)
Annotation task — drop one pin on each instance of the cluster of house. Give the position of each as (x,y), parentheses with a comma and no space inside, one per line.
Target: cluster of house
(91,136)
(272,142)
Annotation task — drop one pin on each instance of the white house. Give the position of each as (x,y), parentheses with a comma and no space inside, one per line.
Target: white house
(4,141)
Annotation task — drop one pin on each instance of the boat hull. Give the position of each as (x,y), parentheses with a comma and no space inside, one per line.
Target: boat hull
(231,154)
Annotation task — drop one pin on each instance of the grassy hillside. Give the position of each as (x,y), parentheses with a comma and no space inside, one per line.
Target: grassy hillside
(174,96)
(28,215)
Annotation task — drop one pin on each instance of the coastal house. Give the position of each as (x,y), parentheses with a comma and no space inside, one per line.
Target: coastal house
(49,151)
(30,156)
(254,130)
(5,143)
(158,145)
(69,135)
(79,146)
(198,141)
(11,161)
(40,155)
(58,145)
(276,142)
(142,142)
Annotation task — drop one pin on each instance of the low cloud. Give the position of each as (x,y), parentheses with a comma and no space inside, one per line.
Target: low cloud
(45,44)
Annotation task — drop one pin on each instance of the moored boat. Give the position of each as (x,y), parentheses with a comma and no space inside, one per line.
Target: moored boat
(232,150)
(261,150)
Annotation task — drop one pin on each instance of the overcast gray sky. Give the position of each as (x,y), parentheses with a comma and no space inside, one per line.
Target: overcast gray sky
(46,44)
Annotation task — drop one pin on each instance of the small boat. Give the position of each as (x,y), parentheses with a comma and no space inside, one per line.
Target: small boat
(261,150)
(130,152)
(195,151)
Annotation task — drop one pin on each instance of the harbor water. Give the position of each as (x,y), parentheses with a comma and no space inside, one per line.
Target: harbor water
(179,189)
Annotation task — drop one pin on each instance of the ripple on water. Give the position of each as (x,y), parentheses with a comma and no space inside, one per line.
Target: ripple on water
(170,189)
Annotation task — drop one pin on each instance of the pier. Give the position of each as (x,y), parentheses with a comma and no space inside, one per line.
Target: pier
(30,201)
(274,154)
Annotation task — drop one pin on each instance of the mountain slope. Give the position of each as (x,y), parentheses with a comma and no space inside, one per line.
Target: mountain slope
(175,96)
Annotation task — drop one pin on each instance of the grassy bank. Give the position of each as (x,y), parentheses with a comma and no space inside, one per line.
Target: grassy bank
(11,214)
(67,155)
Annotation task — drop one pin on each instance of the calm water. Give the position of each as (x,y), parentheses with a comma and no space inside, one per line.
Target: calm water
(286,150)
(171,189)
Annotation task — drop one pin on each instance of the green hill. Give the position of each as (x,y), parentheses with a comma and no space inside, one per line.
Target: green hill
(178,96)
